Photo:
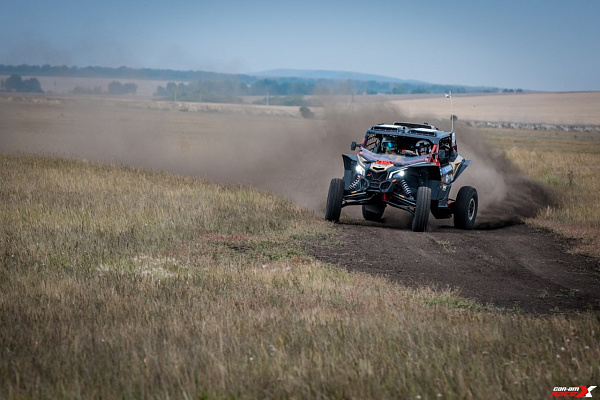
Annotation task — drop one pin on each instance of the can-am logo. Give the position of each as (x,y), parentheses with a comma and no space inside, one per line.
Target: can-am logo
(573,391)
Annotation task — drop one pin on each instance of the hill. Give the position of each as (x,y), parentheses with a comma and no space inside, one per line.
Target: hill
(371,84)
(333,75)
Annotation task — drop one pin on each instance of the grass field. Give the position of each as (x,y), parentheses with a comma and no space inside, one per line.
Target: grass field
(119,282)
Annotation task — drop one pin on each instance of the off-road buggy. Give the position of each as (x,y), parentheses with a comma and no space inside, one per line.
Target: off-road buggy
(408,166)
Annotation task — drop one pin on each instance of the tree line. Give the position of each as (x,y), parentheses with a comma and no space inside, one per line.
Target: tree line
(120,73)
(280,91)
(16,83)
(202,86)
(114,87)
(221,83)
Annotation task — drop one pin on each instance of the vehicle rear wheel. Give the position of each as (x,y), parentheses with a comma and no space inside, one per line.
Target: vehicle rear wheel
(421,217)
(465,208)
(373,212)
(333,208)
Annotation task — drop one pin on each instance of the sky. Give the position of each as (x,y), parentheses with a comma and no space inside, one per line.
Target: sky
(548,45)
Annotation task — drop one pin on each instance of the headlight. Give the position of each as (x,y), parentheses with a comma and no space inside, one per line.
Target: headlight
(359,170)
(399,174)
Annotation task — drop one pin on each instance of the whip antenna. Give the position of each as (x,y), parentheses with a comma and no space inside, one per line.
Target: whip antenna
(449,96)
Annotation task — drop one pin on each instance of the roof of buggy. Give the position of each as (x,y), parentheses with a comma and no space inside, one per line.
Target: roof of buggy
(408,129)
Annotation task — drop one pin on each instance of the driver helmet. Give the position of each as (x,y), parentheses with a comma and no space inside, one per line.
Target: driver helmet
(388,145)
(423,147)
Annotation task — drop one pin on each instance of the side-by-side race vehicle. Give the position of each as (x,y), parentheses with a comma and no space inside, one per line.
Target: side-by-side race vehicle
(408,166)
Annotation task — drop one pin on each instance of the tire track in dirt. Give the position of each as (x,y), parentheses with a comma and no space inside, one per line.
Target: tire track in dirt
(516,266)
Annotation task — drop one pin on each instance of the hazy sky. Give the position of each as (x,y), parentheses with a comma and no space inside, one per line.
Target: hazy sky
(530,44)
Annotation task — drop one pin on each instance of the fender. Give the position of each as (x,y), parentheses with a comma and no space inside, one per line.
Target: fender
(349,161)
(461,168)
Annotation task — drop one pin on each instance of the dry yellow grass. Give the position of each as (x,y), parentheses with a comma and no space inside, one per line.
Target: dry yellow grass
(122,283)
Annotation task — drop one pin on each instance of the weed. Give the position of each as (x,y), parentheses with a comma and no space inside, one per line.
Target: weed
(446,245)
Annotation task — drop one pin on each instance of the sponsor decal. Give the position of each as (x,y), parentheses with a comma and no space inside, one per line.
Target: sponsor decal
(572,391)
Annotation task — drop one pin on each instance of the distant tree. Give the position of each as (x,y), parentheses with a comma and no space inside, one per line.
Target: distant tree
(16,84)
(116,87)
(172,90)
(160,91)
(87,90)
(13,84)
(399,89)
(31,85)
(130,88)
(306,112)
(420,90)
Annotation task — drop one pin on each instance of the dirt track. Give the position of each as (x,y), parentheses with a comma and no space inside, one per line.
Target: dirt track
(515,266)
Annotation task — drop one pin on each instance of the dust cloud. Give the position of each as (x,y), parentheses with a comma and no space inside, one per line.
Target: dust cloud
(506,196)
(289,156)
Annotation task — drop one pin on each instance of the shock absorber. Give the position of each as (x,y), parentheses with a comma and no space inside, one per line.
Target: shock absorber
(405,188)
(354,184)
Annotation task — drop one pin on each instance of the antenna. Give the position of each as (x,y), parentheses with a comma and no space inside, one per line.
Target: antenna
(449,96)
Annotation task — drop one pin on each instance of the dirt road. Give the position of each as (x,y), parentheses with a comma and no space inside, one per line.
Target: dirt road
(515,266)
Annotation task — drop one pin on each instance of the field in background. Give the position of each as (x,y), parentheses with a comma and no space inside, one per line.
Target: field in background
(576,108)
(572,108)
(122,282)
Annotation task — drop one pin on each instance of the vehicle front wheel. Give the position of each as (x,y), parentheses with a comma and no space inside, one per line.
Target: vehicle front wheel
(465,208)
(421,217)
(333,208)
(373,212)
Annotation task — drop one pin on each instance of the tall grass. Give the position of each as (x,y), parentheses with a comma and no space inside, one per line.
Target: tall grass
(121,283)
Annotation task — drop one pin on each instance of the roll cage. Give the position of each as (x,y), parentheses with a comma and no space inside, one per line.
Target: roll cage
(412,140)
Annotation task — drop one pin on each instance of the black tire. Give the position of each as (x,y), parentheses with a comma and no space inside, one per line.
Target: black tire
(333,208)
(422,209)
(465,208)
(373,212)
